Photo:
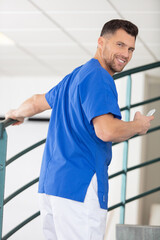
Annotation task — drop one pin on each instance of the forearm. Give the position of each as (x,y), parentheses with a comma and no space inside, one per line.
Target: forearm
(110,129)
(27,108)
(117,131)
(30,107)
(121,130)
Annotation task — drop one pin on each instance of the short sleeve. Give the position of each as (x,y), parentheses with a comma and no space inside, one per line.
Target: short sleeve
(98,95)
(50,96)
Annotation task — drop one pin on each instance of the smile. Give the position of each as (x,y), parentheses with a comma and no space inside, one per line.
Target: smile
(120,60)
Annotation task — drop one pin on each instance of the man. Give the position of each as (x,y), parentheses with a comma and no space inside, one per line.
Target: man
(85,120)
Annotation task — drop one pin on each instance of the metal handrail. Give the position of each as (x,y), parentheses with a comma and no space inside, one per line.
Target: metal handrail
(134,167)
(141,103)
(14,194)
(4,124)
(26,150)
(137,70)
(134,198)
(19,226)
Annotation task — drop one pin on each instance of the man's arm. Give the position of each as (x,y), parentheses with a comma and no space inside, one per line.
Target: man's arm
(110,129)
(34,105)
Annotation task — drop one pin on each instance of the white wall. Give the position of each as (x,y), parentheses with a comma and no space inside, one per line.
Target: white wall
(14,91)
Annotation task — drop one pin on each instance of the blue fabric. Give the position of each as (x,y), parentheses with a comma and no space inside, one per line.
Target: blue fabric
(73,152)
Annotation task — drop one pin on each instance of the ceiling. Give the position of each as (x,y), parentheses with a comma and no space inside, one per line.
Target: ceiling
(52,37)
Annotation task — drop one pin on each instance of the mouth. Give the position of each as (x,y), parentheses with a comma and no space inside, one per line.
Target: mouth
(121,61)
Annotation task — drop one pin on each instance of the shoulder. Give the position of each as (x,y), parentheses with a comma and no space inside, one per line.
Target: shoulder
(93,69)
(95,77)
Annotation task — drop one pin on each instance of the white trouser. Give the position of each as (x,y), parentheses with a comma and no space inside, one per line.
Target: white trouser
(65,219)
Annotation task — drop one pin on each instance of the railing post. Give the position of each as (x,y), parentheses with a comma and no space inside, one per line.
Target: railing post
(125,152)
(3,149)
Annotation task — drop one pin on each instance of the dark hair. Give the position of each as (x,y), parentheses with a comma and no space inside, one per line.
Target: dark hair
(116,24)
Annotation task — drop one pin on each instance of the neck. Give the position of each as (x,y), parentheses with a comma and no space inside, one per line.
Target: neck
(102,62)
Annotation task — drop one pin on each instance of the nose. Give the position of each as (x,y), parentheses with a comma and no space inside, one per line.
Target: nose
(125,53)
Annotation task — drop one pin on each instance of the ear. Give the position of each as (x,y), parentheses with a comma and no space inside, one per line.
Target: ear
(100,42)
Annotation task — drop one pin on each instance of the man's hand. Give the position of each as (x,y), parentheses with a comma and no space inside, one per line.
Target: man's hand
(143,121)
(13,115)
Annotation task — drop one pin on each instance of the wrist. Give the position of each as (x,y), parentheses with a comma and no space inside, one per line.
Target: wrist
(137,126)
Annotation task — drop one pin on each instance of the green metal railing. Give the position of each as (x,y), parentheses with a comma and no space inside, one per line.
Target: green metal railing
(123,172)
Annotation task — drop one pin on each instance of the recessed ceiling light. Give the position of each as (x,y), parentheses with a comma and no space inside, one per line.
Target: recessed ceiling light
(4,40)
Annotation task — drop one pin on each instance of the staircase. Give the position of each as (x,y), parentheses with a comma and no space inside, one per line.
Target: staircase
(136,232)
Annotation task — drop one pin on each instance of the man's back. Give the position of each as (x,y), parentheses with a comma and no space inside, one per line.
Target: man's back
(73,153)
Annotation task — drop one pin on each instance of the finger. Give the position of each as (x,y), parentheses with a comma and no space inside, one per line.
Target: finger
(138,113)
(17,123)
(151,118)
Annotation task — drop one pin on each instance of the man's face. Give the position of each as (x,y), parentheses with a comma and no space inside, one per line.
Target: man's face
(117,50)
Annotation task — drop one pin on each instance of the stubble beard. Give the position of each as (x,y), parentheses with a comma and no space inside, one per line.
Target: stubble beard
(111,65)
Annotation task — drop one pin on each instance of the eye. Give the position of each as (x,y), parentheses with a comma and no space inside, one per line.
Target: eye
(131,50)
(120,44)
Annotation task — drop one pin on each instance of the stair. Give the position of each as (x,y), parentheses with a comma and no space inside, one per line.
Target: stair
(136,232)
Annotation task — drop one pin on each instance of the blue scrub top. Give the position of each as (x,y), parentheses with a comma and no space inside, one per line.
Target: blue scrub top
(73,152)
